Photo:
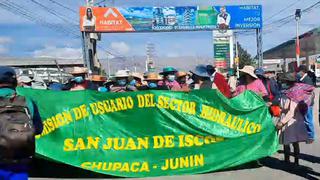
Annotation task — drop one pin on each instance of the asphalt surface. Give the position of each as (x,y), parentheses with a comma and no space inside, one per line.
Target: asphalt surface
(273,167)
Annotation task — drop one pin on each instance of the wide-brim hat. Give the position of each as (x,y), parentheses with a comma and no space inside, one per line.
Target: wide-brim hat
(249,70)
(24,79)
(79,70)
(153,77)
(98,78)
(200,70)
(122,74)
(181,74)
(168,70)
(137,75)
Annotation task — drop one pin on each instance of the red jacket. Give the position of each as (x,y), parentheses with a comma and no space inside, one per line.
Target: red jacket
(222,85)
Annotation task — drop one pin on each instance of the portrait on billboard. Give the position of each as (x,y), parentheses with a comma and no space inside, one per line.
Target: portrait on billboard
(223,18)
(89,20)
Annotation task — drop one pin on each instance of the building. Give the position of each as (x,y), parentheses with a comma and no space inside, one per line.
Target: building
(310,49)
(47,68)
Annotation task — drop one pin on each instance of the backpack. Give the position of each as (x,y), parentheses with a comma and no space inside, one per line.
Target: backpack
(17,133)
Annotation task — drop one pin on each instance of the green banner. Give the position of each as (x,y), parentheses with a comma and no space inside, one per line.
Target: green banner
(153,133)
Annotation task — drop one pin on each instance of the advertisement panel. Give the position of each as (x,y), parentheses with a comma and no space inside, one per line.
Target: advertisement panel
(188,18)
(223,49)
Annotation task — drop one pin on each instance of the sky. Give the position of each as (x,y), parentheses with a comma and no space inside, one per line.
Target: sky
(46,35)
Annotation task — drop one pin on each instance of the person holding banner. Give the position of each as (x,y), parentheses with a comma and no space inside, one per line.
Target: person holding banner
(79,82)
(294,105)
(122,82)
(20,121)
(251,82)
(152,80)
(169,79)
(201,79)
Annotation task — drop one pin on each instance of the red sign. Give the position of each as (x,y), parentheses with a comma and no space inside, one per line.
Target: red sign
(101,19)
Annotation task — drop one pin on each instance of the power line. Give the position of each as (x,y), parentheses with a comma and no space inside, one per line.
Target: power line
(65,7)
(53,12)
(17,9)
(282,10)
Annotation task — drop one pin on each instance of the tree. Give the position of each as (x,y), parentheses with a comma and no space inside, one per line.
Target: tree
(244,57)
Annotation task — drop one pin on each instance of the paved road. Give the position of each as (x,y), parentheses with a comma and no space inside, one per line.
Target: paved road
(274,167)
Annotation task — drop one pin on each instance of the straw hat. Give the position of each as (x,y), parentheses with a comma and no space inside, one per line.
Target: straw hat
(153,77)
(98,78)
(122,73)
(249,70)
(24,79)
(137,75)
(181,74)
(79,70)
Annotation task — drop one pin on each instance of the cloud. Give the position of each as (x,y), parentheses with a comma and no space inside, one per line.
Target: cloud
(4,41)
(56,52)
(121,48)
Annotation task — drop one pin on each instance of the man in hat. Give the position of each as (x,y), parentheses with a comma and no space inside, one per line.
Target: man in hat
(15,167)
(122,82)
(169,79)
(152,80)
(79,81)
(251,82)
(219,80)
(97,83)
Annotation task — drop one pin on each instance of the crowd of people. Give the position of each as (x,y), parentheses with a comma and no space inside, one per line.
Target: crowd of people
(290,96)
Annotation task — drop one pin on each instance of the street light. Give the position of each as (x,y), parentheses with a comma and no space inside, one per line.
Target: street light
(298,17)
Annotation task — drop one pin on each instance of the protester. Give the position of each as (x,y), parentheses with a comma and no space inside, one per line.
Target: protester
(251,82)
(38,83)
(270,85)
(232,80)
(201,78)
(137,80)
(79,81)
(14,162)
(303,76)
(182,80)
(24,81)
(122,82)
(219,80)
(55,85)
(97,83)
(306,77)
(152,80)
(169,79)
(292,126)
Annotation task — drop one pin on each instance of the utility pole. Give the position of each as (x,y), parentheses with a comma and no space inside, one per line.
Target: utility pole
(298,17)
(259,48)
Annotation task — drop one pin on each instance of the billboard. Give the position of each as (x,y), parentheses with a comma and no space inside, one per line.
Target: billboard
(223,49)
(158,19)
